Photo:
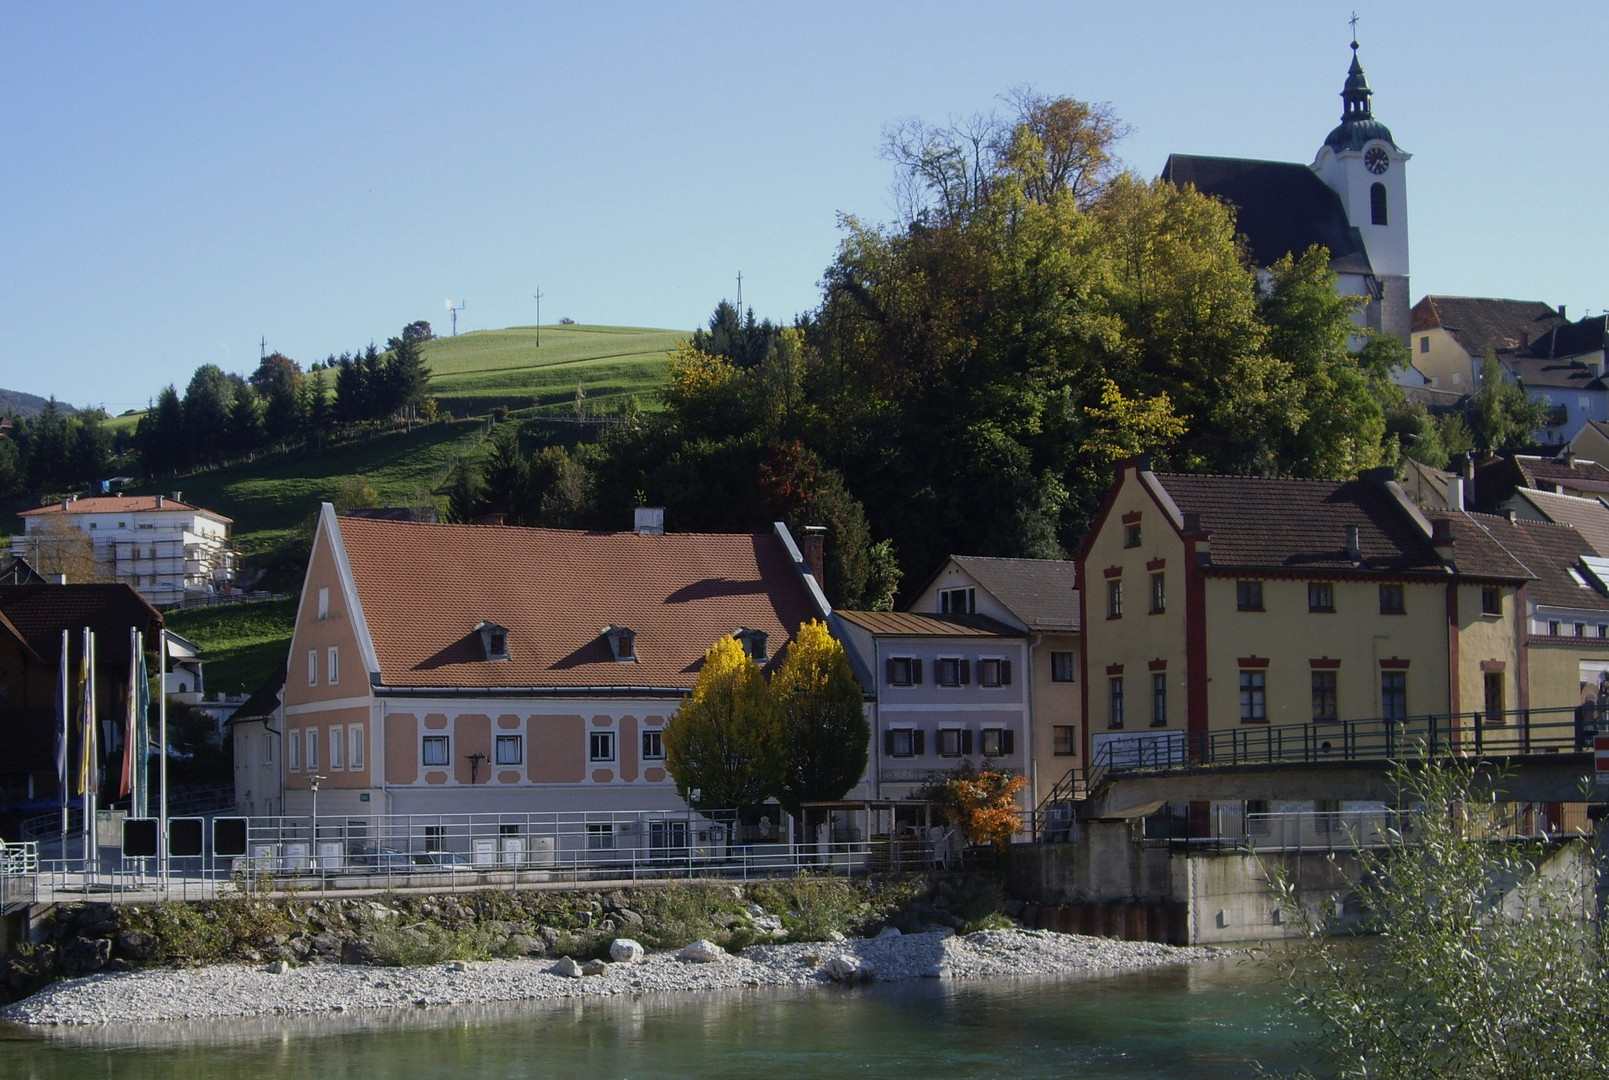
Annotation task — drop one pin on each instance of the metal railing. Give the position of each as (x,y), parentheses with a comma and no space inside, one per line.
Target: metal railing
(1376,739)
(466,851)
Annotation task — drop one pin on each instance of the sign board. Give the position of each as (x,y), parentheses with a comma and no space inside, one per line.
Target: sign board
(229,836)
(1600,753)
(139,838)
(186,836)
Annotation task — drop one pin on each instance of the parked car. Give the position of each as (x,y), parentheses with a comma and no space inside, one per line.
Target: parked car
(441,858)
(379,858)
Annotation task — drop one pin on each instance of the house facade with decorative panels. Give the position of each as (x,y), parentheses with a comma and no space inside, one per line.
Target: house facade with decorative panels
(440,669)
(1038,598)
(950,691)
(1216,604)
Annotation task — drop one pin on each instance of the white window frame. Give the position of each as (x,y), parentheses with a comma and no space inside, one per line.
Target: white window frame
(293,739)
(1072,665)
(334,654)
(909,736)
(354,742)
(604,740)
(504,741)
(312,667)
(992,742)
(653,744)
(268,748)
(323,602)
(337,747)
(312,750)
(951,742)
(444,742)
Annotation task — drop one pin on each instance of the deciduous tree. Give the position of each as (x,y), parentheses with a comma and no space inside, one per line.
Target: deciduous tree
(822,714)
(724,747)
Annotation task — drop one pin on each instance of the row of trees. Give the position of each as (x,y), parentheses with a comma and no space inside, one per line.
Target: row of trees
(223,415)
(55,450)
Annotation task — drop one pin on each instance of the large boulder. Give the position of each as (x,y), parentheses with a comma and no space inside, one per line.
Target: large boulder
(849,969)
(626,951)
(703,951)
(135,944)
(567,967)
(594,967)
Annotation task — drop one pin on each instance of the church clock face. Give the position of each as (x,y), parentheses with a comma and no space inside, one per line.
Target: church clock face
(1376,160)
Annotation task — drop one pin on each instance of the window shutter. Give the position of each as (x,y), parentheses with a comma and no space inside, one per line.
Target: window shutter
(916,675)
(1008,742)
(966,741)
(1005,673)
(917,747)
(888,744)
(966,671)
(888,671)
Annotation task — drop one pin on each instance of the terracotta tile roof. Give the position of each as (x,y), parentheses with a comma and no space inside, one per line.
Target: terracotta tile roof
(41,612)
(1038,591)
(1589,517)
(1587,335)
(1537,373)
(424,589)
(1545,550)
(1477,321)
(911,624)
(1278,523)
(1477,551)
(121,504)
(1557,472)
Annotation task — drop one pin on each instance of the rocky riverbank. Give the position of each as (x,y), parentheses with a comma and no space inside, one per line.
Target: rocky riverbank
(282,988)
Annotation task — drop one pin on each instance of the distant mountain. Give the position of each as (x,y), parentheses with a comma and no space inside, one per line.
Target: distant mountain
(16,403)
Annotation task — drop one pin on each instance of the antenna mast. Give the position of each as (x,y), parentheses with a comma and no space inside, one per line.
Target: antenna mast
(740,294)
(455,310)
(538,295)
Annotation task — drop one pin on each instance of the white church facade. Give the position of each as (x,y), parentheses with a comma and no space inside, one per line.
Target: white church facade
(1353,200)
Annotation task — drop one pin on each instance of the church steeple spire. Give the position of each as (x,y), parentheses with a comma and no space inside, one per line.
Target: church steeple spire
(1358,124)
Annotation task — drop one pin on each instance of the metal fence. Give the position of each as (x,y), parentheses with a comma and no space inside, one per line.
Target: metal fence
(465,851)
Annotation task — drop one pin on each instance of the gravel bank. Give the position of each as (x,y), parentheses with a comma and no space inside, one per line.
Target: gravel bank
(239,990)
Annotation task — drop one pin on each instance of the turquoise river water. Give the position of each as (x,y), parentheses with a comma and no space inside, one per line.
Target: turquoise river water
(1213,1020)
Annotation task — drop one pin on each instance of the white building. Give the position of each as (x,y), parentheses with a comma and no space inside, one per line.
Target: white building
(165,548)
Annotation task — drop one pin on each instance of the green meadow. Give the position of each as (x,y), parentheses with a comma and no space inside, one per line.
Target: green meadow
(243,644)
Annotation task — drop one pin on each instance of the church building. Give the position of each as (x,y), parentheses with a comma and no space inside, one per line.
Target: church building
(1352,200)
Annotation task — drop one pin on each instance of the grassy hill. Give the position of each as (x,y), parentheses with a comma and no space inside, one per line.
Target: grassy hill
(473,373)
(243,643)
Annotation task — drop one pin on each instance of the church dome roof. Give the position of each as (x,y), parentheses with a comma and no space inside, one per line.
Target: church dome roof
(1358,125)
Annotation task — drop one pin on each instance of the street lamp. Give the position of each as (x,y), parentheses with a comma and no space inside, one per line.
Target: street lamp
(313,782)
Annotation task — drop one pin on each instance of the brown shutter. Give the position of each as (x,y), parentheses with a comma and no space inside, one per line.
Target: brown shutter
(965,667)
(966,741)
(1005,673)
(916,672)
(1008,741)
(888,744)
(917,746)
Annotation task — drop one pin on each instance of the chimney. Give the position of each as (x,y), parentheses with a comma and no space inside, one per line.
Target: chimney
(1455,493)
(1568,457)
(815,552)
(1562,315)
(159,502)
(178,496)
(649,521)
(67,504)
(1353,550)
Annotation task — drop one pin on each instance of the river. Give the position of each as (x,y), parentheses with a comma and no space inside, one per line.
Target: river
(1195,1023)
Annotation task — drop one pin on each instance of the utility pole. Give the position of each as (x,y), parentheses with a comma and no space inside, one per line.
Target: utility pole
(538,295)
(262,348)
(740,295)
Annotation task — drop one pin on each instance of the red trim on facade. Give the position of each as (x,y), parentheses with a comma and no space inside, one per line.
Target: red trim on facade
(1114,669)
(1195,652)
(1324,663)
(1133,516)
(1393,664)
(1156,564)
(1158,665)
(1253,661)
(1493,665)
(1113,572)
(1454,697)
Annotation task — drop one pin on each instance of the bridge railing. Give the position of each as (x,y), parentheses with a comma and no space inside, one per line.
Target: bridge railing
(1372,739)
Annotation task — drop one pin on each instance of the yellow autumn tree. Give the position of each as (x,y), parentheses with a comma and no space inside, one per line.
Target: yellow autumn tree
(724,746)
(822,716)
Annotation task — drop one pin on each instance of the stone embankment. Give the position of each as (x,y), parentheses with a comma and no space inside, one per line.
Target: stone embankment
(282,988)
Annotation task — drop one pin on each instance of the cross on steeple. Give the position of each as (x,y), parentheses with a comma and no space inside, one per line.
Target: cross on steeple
(1354,21)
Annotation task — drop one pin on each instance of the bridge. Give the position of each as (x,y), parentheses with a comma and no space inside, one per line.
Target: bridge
(1532,755)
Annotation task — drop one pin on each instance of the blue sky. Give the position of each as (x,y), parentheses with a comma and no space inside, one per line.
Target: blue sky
(181,180)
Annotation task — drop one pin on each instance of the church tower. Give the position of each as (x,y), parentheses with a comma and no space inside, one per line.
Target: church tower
(1365,167)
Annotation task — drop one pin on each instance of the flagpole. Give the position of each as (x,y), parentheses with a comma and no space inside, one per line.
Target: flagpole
(86,745)
(62,698)
(162,739)
(94,761)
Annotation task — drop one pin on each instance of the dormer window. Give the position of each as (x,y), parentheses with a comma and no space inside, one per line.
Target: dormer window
(753,641)
(493,640)
(622,643)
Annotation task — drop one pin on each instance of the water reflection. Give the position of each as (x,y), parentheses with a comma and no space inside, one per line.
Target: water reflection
(1199,1022)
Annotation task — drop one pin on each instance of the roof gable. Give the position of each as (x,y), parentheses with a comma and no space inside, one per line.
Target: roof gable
(1039,592)
(423,590)
(1477,322)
